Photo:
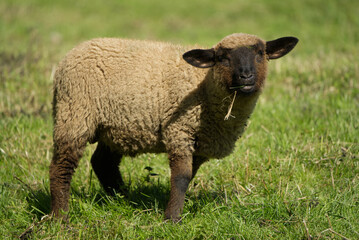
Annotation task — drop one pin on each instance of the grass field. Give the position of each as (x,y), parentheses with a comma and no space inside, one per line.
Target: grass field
(293,175)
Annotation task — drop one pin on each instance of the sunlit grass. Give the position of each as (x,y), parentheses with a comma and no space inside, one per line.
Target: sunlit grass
(293,175)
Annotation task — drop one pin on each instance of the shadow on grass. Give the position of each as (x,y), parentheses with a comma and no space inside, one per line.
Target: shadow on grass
(39,202)
(149,195)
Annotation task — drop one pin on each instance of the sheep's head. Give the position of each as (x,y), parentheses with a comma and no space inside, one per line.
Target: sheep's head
(240,60)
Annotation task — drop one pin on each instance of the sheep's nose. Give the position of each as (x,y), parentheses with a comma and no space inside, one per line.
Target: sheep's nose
(246,76)
(246,73)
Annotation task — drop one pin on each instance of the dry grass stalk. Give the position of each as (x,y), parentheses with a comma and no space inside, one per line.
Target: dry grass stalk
(230,107)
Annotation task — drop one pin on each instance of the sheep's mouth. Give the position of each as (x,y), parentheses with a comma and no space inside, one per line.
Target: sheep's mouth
(246,88)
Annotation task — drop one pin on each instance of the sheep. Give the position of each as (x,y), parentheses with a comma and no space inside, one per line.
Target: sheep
(133,96)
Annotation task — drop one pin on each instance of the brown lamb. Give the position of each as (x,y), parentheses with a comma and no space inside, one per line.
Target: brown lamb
(135,97)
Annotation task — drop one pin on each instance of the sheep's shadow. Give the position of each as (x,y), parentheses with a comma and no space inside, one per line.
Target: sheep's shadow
(141,197)
(39,202)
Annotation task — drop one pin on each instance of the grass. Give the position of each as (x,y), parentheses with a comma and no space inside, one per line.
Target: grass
(293,175)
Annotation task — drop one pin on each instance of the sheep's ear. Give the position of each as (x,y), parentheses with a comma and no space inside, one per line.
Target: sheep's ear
(280,47)
(201,58)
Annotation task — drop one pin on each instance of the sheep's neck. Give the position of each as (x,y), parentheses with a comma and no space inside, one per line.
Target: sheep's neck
(218,101)
(216,136)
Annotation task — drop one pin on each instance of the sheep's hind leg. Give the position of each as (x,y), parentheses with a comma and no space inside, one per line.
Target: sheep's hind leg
(64,162)
(105,164)
(197,162)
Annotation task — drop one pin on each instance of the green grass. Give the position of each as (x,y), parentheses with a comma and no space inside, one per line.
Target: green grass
(293,175)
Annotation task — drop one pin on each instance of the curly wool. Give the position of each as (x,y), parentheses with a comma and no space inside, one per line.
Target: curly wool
(140,96)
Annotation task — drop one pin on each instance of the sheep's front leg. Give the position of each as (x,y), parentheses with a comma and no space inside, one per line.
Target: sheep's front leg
(181,175)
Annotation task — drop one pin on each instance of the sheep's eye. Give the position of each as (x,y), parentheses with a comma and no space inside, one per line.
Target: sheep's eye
(223,60)
(259,56)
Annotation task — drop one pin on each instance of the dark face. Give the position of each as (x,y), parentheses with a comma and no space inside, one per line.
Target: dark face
(243,64)
(242,68)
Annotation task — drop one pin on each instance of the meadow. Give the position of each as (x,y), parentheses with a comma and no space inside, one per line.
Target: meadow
(293,175)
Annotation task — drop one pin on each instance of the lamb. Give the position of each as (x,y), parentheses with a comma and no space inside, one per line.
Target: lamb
(133,97)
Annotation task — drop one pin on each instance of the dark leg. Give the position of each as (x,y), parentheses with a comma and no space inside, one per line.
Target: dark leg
(181,174)
(197,162)
(105,163)
(65,160)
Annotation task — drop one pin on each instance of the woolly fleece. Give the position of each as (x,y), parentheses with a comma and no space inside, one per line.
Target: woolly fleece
(140,96)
